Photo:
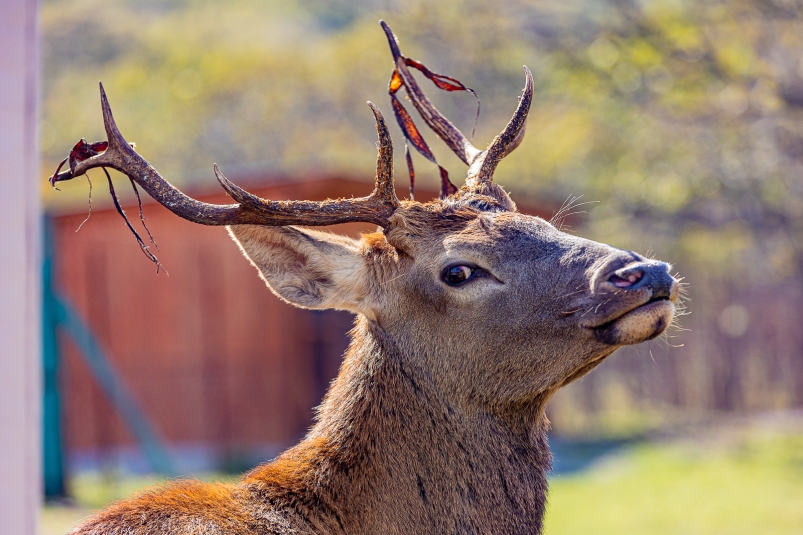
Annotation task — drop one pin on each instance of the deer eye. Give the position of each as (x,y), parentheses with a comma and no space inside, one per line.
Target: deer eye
(457,275)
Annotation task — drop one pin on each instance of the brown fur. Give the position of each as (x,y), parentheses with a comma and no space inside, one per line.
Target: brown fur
(435,423)
(184,506)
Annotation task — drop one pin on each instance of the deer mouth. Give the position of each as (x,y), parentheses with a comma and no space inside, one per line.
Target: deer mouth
(637,324)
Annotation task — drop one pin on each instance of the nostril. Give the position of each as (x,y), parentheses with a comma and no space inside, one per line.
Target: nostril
(653,276)
(626,279)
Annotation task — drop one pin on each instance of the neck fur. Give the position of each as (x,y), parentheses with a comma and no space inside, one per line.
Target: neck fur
(390,455)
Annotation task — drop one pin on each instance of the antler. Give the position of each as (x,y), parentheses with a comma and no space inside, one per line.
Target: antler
(120,155)
(482,163)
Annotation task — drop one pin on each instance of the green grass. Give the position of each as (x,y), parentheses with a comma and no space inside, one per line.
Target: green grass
(728,486)
(748,487)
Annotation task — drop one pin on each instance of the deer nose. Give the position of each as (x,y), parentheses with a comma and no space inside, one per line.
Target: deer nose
(651,275)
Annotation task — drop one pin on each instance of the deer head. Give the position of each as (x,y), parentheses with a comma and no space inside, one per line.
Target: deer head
(494,309)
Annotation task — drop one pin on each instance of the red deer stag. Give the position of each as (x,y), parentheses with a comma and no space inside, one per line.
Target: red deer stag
(470,316)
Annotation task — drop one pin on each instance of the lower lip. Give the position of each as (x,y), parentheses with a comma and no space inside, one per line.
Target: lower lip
(638,325)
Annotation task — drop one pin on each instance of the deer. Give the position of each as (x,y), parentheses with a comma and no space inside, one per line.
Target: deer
(469,317)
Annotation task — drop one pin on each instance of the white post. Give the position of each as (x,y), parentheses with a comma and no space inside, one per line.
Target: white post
(20,180)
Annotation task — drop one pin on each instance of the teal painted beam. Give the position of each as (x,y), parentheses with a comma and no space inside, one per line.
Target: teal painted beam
(113,386)
(52,442)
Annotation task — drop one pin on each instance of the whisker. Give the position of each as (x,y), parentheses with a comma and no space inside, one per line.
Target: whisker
(393,279)
(569,294)
(599,305)
(560,217)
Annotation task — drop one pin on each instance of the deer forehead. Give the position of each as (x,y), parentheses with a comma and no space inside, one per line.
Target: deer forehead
(504,238)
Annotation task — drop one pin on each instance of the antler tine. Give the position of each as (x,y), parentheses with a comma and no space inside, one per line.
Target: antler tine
(507,141)
(376,208)
(120,155)
(448,132)
(384,189)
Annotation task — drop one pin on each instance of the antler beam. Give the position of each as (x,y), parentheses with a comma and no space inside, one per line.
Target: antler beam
(120,155)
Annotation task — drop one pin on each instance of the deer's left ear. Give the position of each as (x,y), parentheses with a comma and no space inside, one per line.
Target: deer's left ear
(307,268)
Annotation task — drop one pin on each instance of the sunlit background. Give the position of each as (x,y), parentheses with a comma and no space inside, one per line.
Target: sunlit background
(676,127)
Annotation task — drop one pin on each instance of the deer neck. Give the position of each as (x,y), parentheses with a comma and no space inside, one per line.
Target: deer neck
(402,459)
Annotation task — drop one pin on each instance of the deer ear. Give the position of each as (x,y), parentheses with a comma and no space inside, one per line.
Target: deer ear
(307,268)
